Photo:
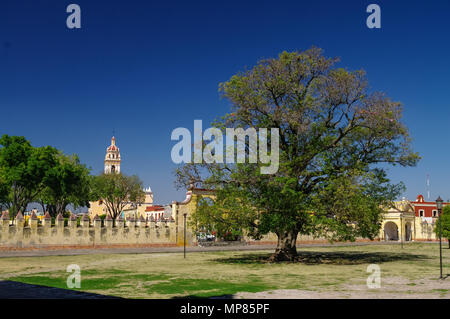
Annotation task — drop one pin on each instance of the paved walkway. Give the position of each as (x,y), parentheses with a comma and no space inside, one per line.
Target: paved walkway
(149,250)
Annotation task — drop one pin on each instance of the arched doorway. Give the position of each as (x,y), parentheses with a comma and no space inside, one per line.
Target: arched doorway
(390,231)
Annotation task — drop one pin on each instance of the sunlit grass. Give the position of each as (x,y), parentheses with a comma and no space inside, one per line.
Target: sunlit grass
(206,274)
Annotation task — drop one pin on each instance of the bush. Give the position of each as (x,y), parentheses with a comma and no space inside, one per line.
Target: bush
(231,236)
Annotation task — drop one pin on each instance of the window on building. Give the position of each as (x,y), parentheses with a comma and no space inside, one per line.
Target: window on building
(421,213)
(435,213)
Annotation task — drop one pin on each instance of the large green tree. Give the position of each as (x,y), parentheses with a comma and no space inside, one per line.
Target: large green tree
(67,182)
(118,190)
(445,218)
(334,132)
(23,170)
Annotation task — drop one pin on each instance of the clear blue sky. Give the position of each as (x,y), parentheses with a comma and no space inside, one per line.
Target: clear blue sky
(144,68)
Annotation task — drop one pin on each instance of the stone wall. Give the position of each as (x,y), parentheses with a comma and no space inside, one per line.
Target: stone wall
(94,233)
(89,233)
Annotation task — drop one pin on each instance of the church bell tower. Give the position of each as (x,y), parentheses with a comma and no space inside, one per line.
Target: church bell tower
(112,158)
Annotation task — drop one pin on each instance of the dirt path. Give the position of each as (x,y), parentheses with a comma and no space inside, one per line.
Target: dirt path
(147,250)
(391,288)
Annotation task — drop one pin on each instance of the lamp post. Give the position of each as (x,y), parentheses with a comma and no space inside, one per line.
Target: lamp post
(184,235)
(439,202)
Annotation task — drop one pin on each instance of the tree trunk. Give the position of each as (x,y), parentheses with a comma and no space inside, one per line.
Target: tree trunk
(286,247)
(60,208)
(52,210)
(43,206)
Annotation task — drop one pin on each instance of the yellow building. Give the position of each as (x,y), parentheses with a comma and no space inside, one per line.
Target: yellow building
(410,221)
(182,212)
(399,222)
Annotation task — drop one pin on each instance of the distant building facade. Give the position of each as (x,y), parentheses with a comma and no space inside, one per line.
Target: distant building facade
(410,220)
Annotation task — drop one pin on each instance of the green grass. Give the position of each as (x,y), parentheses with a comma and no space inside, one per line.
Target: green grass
(205,287)
(94,280)
(208,274)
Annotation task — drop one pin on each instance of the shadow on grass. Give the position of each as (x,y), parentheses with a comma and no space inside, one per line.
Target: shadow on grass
(225,296)
(332,258)
(19,290)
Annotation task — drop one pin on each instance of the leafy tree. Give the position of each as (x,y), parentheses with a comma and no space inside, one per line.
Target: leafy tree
(334,132)
(4,195)
(118,190)
(67,182)
(445,224)
(23,170)
(218,219)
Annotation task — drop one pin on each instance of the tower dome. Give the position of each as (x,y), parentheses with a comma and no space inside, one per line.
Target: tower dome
(112,158)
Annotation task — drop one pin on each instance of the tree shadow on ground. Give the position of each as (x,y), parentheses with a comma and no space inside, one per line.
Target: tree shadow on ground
(18,290)
(332,258)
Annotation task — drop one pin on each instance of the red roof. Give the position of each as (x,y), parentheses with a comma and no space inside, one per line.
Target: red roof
(154,208)
(420,200)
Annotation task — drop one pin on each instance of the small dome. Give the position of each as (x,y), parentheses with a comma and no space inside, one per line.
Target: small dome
(113,146)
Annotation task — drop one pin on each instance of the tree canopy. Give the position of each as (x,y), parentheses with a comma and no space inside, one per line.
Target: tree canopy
(334,133)
(118,190)
(23,170)
(43,174)
(67,182)
(445,224)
